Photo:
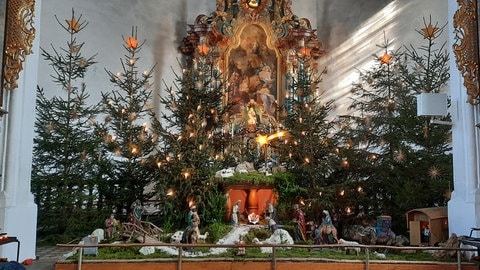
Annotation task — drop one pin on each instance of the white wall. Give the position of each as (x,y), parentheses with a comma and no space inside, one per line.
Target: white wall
(350,44)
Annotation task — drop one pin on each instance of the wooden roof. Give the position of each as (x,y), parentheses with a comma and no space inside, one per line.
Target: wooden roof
(431,212)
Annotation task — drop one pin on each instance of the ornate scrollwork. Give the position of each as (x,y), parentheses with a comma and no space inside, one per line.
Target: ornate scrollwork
(465,23)
(19,36)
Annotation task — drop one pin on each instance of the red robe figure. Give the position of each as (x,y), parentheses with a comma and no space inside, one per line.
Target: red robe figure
(300,225)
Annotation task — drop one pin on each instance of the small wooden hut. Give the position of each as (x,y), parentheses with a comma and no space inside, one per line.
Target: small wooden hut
(434,220)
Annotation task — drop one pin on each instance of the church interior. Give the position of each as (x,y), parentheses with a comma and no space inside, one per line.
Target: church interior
(242,110)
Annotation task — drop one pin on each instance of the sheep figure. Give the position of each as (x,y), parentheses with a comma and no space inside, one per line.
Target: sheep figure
(382,256)
(262,249)
(176,237)
(202,237)
(350,246)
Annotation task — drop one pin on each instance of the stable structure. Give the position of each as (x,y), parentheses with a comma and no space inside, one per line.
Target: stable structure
(435,219)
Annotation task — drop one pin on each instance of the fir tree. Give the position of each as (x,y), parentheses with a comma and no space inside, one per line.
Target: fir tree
(307,149)
(395,161)
(193,142)
(128,138)
(65,172)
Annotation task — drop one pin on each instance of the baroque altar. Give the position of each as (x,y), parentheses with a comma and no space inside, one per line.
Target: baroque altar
(260,47)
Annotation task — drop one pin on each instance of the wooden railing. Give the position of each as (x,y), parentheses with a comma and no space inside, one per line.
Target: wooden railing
(274,258)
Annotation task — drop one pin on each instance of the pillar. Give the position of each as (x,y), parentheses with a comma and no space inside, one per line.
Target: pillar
(463,207)
(18,212)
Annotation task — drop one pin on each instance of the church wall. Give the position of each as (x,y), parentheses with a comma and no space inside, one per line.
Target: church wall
(350,40)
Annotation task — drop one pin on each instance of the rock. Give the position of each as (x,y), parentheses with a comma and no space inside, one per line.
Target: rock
(452,242)
(279,237)
(147,250)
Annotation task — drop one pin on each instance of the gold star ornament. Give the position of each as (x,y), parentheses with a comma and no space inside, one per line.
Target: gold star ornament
(430,31)
(131,42)
(385,58)
(73,25)
(434,172)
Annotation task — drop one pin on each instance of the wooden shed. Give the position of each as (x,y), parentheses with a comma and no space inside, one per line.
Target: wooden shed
(435,219)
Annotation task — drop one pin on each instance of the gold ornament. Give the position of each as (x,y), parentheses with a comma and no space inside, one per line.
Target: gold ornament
(19,36)
(385,58)
(131,42)
(73,25)
(429,31)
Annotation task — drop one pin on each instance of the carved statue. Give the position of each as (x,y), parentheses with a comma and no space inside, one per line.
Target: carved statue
(270,210)
(137,211)
(368,235)
(236,212)
(192,231)
(111,226)
(327,230)
(300,225)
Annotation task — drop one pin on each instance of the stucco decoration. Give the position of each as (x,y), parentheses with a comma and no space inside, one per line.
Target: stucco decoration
(19,37)
(465,22)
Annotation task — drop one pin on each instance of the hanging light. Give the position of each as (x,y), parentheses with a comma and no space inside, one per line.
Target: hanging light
(134,149)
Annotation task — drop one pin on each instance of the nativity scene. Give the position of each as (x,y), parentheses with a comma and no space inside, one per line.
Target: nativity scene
(246,147)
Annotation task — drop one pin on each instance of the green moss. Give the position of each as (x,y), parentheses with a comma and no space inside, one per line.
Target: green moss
(251,178)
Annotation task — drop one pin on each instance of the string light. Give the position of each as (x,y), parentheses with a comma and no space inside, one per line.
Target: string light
(134,149)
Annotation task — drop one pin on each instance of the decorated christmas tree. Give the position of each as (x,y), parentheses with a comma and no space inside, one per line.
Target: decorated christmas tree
(194,142)
(128,140)
(65,169)
(307,149)
(393,160)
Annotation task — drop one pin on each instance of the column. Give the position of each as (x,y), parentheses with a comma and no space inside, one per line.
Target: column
(18,212)
(463,212)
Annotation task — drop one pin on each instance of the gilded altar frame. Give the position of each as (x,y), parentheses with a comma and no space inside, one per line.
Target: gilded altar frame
(18,41)
(466,47)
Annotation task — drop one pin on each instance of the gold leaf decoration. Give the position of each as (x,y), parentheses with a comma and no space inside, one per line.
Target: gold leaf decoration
(19,36)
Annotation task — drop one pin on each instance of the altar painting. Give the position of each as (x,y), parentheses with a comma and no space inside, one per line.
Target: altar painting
(252,72)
